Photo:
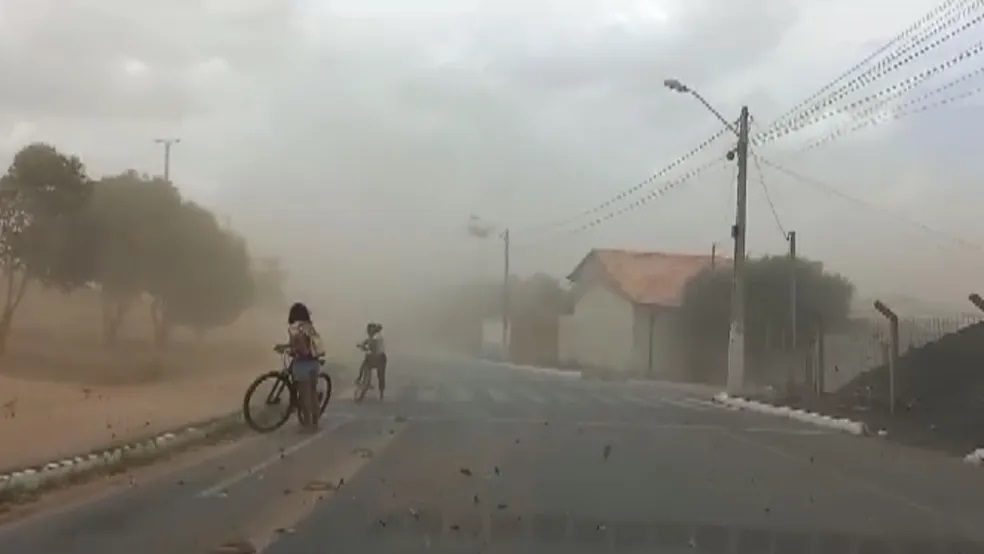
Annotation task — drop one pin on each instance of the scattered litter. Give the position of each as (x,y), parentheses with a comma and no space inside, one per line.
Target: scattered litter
(285,530)
(455,527)
(235,547)
(768,509)
(381,523)
(546,423)
(497,470)
(181,482)
(882,432)
(287,491)
(363,453)
(475,499)
(601,527)
(319,486)
(341,481)
(465,471)
(414,513)
(517,441)
(223,494)
(608,451)
(502,506)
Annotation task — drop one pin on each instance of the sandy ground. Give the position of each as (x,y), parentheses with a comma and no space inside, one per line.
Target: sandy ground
(64,392)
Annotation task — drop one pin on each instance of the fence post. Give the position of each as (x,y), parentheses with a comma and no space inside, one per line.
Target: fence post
(893,354)
(977,300)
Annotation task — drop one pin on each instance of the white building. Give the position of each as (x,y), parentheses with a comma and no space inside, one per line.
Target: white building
(625,305)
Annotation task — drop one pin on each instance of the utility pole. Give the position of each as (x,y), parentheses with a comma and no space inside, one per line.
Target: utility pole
(736,334)
(792,309)
(714,247)
(505,296)
(167,142)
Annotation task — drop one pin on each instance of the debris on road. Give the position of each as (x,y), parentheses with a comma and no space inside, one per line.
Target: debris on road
(502,506)
(363,453)
(285,530)
(497,470)
(287,491)
(235,547)
(607,452)
(465,471)
(475,499)
(455,527)
(414,513)
(320,486)
(381,523)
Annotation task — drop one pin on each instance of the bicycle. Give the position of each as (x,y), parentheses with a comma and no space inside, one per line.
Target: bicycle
(363,383)
(273,404)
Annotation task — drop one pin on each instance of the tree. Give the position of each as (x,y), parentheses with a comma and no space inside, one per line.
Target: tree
(129,218)
(269,279)
(207,279)
(822,299)
(41,196)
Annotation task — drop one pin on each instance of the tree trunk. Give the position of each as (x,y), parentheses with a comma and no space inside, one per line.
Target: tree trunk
(115,307)
(162,327)
(15,293)
(5,321)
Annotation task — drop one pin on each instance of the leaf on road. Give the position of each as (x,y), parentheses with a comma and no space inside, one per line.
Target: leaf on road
(235,547)
(319,486)
(607,452)
(465,471)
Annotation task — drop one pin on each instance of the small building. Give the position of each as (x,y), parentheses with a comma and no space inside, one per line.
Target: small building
(624,308)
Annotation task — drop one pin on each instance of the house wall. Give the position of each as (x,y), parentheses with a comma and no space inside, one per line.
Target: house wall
(657,325)
(600,333)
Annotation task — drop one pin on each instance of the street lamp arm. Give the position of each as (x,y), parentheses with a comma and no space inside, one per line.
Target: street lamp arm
(708,105)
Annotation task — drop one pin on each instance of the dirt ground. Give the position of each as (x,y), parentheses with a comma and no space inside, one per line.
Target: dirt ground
(63,391)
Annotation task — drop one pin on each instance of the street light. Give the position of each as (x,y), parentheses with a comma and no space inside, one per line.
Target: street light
(482,229)
(167,142)
(736,333)
(677,86)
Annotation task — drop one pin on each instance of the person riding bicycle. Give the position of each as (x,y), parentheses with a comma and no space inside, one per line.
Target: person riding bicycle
(375,357)
(306,348)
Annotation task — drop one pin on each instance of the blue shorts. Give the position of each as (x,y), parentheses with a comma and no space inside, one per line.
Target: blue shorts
(305,370)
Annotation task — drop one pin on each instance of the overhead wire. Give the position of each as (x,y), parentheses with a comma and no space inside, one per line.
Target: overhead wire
(891,92)
(629,191)
(906,109)
(768,197)
(832,190)
(942,7)
(874,73)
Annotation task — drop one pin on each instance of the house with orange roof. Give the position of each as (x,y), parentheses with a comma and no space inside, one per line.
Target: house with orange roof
(625,305)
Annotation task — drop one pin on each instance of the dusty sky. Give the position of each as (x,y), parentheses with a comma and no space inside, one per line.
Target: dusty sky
(355,137)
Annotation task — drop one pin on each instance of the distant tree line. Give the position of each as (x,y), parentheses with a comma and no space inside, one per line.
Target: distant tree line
(131,236)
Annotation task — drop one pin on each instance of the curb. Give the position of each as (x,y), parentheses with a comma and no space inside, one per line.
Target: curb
(838,424)
(108,459)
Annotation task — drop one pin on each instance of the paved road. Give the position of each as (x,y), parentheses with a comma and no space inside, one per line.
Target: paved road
(475,457)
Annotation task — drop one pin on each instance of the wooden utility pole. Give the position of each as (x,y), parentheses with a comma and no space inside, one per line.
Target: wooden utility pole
(736,334)
(977,300)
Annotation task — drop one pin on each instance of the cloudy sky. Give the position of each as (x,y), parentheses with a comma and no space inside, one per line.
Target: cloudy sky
(369,131)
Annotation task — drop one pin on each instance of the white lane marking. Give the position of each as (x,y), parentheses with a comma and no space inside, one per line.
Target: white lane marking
(460,394)
(426,394)
(497,396)
(228,482)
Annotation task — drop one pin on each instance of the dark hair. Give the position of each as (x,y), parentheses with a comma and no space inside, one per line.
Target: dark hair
(298,312)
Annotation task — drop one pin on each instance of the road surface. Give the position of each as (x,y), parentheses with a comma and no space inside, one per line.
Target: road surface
(478,457)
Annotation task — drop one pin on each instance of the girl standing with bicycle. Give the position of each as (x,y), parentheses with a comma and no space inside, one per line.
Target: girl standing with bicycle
(306,346)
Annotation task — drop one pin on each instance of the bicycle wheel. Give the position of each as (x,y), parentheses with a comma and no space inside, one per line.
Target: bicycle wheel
(269,402)
(324,390)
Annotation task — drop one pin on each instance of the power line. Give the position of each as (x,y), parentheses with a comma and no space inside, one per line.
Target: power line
(894,91)
(655,193)
(903,110)
(876,72)
(830,189)
(629,191)
(901,36)
(768,197)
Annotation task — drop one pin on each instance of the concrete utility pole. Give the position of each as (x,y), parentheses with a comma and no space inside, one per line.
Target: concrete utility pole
(505,296)
(736,334)
(167,142)
(893,353)
(792,308)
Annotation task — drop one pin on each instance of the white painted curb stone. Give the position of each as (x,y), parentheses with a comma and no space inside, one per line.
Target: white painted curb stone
(812,418)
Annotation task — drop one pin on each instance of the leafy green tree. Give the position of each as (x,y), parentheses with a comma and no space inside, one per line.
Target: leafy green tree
(129,218)
(822,298)
(42,195)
